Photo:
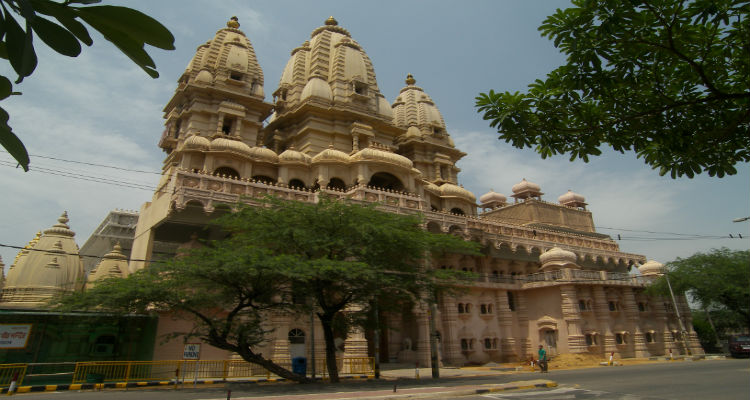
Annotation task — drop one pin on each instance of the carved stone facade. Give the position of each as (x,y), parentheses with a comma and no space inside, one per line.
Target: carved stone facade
(545,276)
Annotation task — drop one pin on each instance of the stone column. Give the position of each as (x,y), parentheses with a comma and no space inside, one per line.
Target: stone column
(508,348)
(423,335)
(601,310)
(523,342)
(637,344)
(451,347)
(355,344)
(660,315)
(569,304)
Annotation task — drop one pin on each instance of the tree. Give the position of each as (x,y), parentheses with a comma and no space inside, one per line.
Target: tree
(129,30)
(226,288)
(350,256)
(285,257)
(719,281)
(667,79)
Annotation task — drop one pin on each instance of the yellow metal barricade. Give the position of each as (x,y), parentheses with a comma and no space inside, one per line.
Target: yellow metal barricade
(8,371)
(194,370)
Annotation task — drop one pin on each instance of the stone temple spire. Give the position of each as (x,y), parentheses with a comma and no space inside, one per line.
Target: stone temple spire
(48,268)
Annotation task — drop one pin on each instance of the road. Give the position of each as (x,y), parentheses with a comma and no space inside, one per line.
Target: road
(710,379)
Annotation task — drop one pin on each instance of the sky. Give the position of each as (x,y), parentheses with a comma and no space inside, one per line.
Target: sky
(100,109)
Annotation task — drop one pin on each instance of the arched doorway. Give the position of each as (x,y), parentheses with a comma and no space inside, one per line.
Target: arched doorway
(227,172)
(386,181)
(296,343)
(548,337)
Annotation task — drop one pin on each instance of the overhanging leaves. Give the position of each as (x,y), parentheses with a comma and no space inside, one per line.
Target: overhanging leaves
(668,80)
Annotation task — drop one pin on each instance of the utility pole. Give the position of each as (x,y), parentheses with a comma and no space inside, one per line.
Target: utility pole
(683,331)
(376,340)
(433,339)
(312,341)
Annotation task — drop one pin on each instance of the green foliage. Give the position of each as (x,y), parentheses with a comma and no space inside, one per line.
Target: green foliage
(129,30)
(286,256)
(667,79)
(348,255)
(719,281)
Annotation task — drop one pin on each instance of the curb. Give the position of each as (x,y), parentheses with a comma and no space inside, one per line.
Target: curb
(134,384)
(519,385)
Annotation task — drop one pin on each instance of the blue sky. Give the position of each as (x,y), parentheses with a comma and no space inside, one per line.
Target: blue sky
(100,108)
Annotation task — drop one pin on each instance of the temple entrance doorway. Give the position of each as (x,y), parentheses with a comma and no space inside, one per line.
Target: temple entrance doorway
(549,340)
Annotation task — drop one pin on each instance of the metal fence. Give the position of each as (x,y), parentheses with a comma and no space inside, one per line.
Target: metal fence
(9,371)
(190,371)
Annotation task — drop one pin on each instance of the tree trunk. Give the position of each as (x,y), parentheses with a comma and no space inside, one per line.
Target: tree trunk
(248,355)
(326,320)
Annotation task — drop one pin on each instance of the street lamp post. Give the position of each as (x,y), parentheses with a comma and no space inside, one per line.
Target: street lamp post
(683,331)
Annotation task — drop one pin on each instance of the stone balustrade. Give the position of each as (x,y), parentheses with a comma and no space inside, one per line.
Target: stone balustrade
(211,191)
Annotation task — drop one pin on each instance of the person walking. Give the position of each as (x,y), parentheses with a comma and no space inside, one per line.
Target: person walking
(542,359)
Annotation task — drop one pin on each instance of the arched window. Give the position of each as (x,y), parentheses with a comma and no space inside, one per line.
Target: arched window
(460,308)
(228,172)
(387,181)
(264,179)
(336,183)
(296,336)
(297,184)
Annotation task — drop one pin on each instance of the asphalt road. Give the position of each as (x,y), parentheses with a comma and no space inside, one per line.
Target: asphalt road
(710,379)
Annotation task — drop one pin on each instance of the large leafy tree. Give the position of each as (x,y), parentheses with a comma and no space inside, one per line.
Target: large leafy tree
(350,256)
(667,79)
(60,25)
(285,256)
(226,288)
(719,281)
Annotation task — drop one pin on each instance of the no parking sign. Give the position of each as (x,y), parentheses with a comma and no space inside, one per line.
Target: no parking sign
(192,351)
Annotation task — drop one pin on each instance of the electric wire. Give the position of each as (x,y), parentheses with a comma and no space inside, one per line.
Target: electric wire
(148,187)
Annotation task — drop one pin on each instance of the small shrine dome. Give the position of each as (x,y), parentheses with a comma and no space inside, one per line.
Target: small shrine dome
(492,199)
(376,153)
(230,145)
(557,258)
(331,155)
(572,199)
(264,154)
(196,143)
(526,189)
(318,88)
(451,190)
(651,267)
(292,156)
(113,265)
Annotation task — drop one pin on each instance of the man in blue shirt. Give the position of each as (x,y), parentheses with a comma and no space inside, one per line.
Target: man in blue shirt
(542,358)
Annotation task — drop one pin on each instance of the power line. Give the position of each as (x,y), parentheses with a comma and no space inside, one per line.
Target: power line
(97,165)
(147,187)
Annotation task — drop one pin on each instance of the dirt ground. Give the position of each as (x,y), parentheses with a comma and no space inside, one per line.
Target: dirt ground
(572,361)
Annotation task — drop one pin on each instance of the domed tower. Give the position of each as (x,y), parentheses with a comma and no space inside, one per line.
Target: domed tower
(427,143)
(328,107)
(217,110)
(48,268)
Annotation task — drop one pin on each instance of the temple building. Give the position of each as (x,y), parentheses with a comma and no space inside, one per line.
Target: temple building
(545,277)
